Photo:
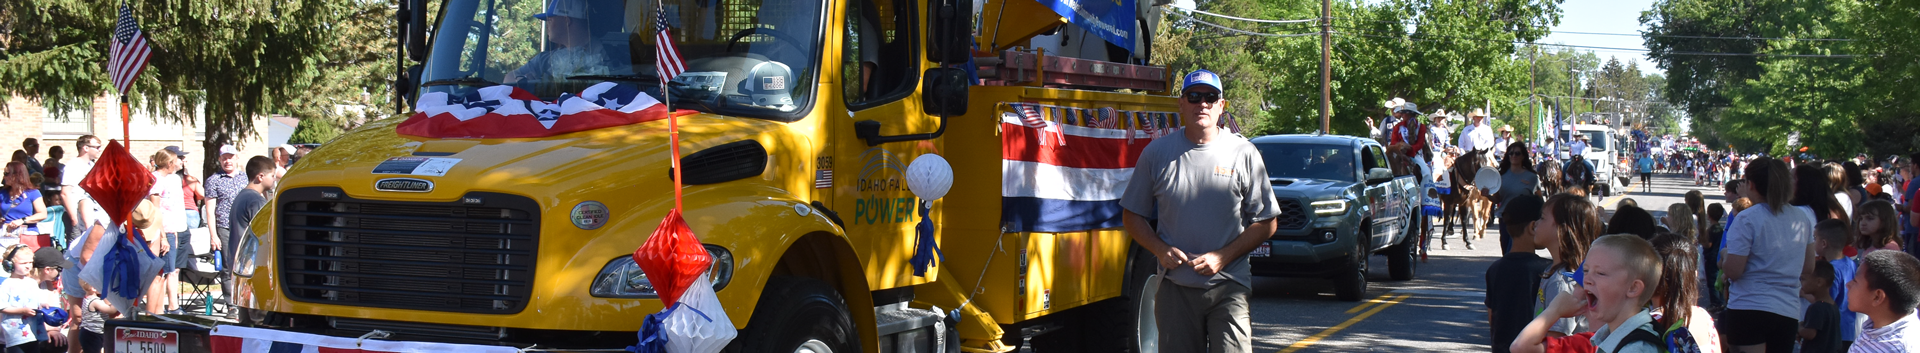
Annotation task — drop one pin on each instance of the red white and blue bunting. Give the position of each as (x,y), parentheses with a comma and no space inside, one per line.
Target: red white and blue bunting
(510,112)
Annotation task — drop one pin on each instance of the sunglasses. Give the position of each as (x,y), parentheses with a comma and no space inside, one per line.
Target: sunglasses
(1199,97)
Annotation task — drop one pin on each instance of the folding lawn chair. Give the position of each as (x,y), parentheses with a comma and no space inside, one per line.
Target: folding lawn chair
(202,277)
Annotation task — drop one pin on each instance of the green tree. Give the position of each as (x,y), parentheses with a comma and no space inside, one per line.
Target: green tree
(231,61)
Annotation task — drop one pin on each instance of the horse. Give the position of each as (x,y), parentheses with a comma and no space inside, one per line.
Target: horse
(1472,207)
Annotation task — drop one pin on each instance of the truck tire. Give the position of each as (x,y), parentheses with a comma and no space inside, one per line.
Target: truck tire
(1400,257)
(1351,283)
(798,314)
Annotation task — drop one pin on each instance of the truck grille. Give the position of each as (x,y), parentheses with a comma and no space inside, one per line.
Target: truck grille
(1293,215)
(474,255)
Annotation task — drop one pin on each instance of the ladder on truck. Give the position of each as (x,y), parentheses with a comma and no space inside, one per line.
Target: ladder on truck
(1015,67)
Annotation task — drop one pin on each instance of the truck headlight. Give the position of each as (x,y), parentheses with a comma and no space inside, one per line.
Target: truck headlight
(1329,207)
(622,278)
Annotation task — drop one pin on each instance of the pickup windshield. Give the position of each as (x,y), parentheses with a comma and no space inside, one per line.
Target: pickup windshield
(752,58)
(1308,161)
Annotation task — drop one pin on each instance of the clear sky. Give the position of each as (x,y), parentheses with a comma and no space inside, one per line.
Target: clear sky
(1604,16)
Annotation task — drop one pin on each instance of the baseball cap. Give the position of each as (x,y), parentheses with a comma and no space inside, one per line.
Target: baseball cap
(50,257)
(1202,77)
(229,149)
(564,8)
(176,151)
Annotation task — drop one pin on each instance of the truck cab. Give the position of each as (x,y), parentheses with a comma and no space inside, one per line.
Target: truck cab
(1339,205)
(797,121)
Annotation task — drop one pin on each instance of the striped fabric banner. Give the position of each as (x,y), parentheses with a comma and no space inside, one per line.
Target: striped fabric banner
(236,339)
(1070,186)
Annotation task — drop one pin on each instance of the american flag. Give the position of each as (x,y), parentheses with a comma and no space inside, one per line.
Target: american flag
(1030,114)
(1109,119)
(129,51)
(667,57)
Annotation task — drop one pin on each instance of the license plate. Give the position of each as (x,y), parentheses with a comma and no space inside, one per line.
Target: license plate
(1263,251)
(140,340)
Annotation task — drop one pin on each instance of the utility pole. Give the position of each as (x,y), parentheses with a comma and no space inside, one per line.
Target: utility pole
(1326,66)
(1533,89)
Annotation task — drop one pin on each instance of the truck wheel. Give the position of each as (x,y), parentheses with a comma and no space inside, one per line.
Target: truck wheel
(1350,284)
(1400,258)
(801,315)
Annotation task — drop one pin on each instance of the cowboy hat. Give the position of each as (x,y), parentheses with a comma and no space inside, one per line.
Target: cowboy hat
(1477,112)
(1506,128)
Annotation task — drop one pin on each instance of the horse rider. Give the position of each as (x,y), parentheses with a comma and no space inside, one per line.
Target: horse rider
(1477,137)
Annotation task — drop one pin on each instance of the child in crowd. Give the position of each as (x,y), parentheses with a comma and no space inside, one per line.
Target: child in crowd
(1620,276)
(1829,237)
(1871,228)
(1679,220)
(47,264)
(24,299)
(1710,255)
(93,319)
(1512,280)
(1569,222)
(1820,323)
(1679,290)
(1885,289)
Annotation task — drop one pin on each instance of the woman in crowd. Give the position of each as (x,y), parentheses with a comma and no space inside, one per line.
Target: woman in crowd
(1766,251)
(21,204)
(1516,179)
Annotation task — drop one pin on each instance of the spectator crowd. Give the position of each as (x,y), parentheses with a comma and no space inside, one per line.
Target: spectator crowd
(1803,255)
(53,228)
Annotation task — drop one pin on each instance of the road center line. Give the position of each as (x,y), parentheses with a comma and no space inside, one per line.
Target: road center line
(1311,340)
(1363,306)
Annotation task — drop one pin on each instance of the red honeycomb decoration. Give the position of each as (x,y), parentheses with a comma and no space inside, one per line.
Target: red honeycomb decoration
(118,182)
(672,258)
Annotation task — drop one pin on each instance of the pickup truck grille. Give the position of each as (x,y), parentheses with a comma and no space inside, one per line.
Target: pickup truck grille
(473,255)
(1293,214)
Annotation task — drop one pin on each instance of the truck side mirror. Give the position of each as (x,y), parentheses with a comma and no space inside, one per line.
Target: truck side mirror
(1379,175)
(416,27)
(943,92)
(950,40)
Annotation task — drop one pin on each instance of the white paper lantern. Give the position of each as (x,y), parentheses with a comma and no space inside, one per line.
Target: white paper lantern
(700,324)
(929,177)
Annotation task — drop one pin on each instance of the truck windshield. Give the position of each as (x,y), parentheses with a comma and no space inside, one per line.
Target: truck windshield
(1596,139)
(751,58)
(1308,161)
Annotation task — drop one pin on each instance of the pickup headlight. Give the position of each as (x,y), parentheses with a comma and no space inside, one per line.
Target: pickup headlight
(622,278)
(1329,207)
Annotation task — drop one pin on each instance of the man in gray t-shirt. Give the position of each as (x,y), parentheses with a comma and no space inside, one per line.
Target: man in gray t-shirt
(1208,190)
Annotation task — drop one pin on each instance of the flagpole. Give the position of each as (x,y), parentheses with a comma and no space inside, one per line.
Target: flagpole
(126,122)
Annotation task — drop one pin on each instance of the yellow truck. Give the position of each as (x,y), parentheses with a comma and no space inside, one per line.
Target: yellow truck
(799,120)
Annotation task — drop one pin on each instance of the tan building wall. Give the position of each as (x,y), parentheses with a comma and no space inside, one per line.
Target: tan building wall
(25,118)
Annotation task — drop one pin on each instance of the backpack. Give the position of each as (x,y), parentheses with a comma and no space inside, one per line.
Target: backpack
(1642,336)
(1680,340)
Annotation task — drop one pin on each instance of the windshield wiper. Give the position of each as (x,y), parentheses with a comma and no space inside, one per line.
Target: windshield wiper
(463,81)
(622,78)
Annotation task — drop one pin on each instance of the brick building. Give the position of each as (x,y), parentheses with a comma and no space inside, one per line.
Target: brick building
(23,118)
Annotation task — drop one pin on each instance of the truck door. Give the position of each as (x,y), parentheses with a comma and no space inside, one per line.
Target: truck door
(1378,196)
(879,64)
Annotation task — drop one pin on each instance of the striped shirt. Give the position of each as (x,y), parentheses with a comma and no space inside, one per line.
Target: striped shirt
(1892,338)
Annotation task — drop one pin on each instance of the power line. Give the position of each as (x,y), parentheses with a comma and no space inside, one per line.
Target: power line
(1418,23)
(1251,19)
(1709,37)
(1445,38)
(1230,29)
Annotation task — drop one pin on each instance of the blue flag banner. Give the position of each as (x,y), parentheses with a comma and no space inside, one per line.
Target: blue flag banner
(1112,20)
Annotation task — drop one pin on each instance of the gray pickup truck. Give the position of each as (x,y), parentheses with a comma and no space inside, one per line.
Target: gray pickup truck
(1340,203)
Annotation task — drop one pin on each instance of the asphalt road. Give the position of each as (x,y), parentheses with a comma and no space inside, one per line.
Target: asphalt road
(1442,310)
